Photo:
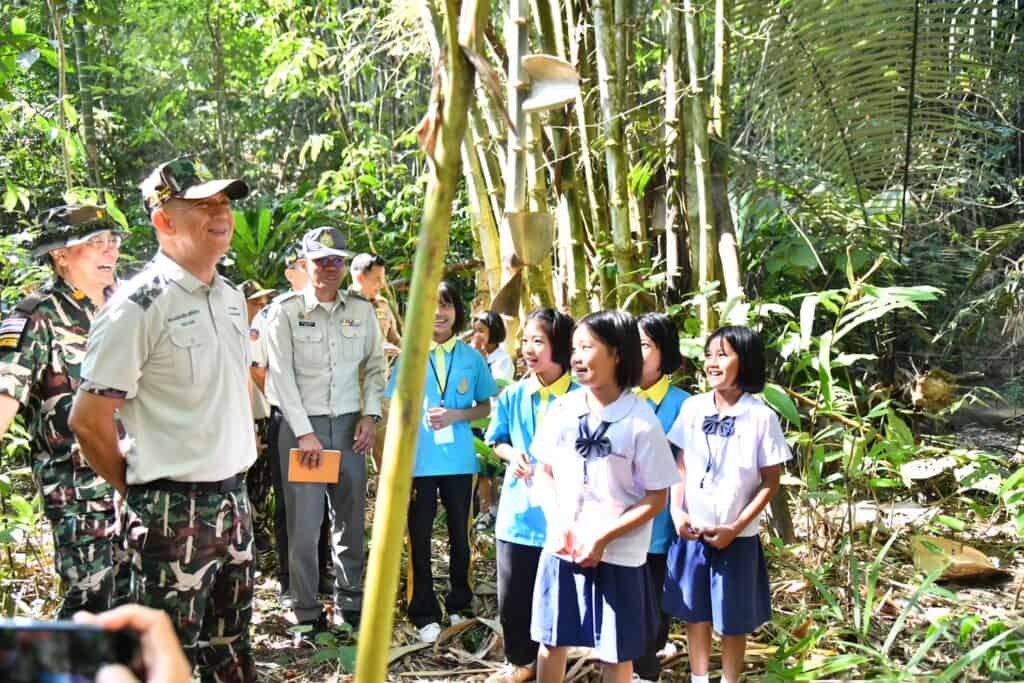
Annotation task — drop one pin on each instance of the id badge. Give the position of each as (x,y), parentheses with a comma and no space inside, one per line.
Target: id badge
(445,435)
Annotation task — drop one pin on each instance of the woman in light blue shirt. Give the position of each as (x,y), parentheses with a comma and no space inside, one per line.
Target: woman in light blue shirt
(458,390)
(520,527)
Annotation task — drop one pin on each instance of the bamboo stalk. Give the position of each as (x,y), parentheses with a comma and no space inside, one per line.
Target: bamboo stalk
(571,240)
(614,150)
(675,222)
(598,234)
(403,423)
(702,168)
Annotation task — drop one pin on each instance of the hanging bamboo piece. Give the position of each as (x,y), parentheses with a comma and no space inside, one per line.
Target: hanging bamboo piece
(441,133)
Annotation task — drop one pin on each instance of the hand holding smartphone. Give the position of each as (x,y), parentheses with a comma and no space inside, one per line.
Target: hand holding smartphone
(60,651)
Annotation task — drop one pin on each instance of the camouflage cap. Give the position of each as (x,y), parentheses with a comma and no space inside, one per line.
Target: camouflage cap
(292,254)
(325,241)
(187,178)
(68,225)
(254,290)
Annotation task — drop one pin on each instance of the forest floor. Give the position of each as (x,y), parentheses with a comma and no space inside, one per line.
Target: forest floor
(815,633)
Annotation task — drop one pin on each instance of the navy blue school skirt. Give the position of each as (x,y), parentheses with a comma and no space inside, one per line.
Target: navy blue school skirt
(609,608)
(727,587)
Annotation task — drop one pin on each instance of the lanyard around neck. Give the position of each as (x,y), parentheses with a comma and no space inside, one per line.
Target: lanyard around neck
(443,388)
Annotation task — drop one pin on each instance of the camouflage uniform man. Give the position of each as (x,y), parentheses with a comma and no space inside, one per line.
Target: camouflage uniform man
(42,344)
(170,352)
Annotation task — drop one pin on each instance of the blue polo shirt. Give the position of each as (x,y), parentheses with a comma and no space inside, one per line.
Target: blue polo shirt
(662,530)
(468,383)
(514,422)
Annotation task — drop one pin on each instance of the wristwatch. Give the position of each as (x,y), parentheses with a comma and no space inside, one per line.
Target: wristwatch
(376,418)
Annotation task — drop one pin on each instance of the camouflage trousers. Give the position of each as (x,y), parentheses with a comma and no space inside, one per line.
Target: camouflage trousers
(90,557)
(193,555)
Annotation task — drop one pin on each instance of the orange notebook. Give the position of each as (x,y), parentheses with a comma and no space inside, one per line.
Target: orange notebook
(326,473)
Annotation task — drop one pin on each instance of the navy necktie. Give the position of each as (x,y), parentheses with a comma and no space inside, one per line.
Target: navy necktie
(723,427)
(589,445)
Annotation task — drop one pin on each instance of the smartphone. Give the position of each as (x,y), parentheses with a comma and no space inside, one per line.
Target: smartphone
(63,651)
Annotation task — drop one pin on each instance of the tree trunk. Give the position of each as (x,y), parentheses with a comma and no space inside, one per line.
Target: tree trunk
(626,279)
(57,20)
(87,129)
(405,415)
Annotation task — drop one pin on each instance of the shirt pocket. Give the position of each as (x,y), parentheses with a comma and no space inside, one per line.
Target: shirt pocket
(187,351)
(309,349)
(352,341)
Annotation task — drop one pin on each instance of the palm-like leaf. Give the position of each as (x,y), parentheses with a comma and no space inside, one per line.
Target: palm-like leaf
(888,96)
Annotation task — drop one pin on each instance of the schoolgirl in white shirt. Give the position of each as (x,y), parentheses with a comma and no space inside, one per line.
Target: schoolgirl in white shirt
(731,448)
(604,468)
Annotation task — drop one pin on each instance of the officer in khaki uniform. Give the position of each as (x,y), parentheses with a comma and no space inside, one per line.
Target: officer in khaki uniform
(170,352)
(320,340)
(298,278)
(42,345)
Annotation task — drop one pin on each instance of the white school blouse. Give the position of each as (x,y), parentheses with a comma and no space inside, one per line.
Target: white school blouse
(730,468)
(640,461)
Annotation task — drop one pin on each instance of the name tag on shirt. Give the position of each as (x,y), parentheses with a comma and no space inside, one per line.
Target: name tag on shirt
(444,436)
(307,323)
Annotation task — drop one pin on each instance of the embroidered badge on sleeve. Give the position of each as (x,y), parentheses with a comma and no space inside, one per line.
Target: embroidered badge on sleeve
(11,331)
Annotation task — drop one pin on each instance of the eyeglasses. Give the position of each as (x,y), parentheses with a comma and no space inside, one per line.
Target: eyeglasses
(105,240)
(329,262)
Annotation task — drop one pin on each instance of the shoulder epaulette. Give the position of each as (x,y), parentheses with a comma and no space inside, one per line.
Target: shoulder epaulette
(148,291)
(30,303)
(287,296)
(357,294)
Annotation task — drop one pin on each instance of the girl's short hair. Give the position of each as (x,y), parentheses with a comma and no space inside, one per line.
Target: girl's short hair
(559,328)
(494,324)
(448,293)
(662,331)
(618,330)
(750,349)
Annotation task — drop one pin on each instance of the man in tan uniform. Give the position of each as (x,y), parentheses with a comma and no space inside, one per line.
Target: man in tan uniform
(320,342)
(170,353)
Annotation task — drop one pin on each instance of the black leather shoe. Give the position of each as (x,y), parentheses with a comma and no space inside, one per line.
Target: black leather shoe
(352,618)
(307,638)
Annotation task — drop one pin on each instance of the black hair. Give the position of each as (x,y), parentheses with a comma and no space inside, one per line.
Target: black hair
(750,349)
(494,324)
(618,331)
(559,328)
(448,293)
(662,331)
(364,263)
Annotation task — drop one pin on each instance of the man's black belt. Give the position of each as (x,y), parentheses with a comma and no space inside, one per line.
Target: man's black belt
(222,486)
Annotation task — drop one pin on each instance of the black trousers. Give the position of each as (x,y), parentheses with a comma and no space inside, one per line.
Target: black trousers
(456,494)
(280,511)
(648,666)
(517,572)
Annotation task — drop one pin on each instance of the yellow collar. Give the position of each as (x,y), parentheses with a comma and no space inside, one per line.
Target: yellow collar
(556,388)
(447,346)
(657,391)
